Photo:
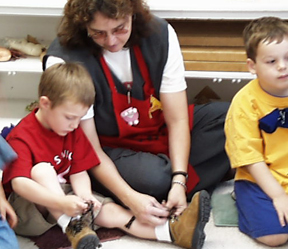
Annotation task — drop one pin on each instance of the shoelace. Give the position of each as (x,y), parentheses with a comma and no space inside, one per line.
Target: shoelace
(89,209)
(79,222)
(172,216)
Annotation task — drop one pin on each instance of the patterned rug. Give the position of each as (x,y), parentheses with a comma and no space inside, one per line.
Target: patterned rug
(55,239)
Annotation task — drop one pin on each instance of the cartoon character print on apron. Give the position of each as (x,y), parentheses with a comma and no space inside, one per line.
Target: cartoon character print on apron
(141,123)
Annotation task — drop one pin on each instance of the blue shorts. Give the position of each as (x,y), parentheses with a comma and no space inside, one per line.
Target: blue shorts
(257,216)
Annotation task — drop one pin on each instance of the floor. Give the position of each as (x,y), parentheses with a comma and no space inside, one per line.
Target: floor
(216,237)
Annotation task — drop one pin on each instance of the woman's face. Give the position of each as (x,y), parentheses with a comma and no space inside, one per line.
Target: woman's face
(110,34)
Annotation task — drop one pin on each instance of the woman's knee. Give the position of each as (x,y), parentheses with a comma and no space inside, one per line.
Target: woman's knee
(158,177)
(273,240)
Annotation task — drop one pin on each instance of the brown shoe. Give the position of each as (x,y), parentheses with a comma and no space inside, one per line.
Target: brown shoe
(81,235)
(187,229)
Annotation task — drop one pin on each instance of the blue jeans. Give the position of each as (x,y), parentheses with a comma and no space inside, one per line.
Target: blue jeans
(8,238)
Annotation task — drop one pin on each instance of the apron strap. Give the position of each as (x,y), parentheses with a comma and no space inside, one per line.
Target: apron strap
(108,74)
(148,87)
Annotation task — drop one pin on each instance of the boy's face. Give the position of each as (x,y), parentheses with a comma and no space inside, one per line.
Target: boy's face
(271,67)
(62,119)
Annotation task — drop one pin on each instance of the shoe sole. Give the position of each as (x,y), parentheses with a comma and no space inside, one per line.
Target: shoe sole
(204,214)
(89,242)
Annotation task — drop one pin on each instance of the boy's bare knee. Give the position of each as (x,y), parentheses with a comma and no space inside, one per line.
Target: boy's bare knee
(112,208)
(273,240)
(42,169)
(112,215)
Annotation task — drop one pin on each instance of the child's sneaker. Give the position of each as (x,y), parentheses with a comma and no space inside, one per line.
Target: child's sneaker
(187,229)
(81,235)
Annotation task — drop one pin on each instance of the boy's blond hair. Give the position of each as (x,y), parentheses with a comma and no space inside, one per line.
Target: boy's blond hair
(265,29)
(67,81)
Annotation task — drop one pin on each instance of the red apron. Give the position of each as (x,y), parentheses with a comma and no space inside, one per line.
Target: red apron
(150,134)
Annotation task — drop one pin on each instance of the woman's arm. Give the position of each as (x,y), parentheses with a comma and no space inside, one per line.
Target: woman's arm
(106,172)
(175,109)
(145,208)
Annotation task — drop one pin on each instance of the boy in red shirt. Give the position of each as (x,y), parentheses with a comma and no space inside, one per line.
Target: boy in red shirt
(53,158)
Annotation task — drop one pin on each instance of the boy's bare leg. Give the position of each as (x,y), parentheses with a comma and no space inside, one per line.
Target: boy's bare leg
(45,175)
(115,216)
(185,230)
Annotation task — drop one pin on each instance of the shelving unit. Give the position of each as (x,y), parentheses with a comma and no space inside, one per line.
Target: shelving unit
(218,9)
(18,18)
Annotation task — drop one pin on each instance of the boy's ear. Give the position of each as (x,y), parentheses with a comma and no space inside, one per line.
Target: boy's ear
(44,102)
(251,66)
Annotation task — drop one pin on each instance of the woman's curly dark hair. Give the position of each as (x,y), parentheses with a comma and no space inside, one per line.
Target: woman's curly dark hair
(72,30)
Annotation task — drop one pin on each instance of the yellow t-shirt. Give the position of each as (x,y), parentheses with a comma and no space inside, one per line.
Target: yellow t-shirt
(246,143)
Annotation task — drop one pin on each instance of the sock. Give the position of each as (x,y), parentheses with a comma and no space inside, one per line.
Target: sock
(163,233)
(63,221)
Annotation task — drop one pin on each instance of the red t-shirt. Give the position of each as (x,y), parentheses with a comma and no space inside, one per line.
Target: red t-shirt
(33,144)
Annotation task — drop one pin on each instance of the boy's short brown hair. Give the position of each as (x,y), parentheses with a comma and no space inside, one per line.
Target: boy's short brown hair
(67,81)
(265,29)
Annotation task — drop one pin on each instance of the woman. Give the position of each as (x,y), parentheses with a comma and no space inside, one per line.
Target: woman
(136,64)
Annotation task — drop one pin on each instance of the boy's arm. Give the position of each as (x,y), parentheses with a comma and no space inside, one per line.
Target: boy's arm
(36,193)
(81,186)
(272,188)
(6,211)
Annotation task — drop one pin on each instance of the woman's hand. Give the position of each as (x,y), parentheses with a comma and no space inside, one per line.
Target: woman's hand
(147,209)
(176,199)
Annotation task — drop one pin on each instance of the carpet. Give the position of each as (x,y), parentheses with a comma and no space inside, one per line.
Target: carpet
(224,210)
(55,239)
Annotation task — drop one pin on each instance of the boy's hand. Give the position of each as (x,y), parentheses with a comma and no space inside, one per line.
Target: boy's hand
(7,212)
(281,206)
(88,198)
(73,205)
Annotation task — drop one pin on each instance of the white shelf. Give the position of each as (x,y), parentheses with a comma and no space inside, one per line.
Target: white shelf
(219,75)
(180,9)
(34,65)
(218,10)
(29,65)
(32,7)
(12,111)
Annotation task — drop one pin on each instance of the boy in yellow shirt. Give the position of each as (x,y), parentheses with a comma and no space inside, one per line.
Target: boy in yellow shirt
(257,134)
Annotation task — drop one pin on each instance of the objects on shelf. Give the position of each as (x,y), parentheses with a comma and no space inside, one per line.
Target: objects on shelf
(14,48)
(10,54)
(5,54)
